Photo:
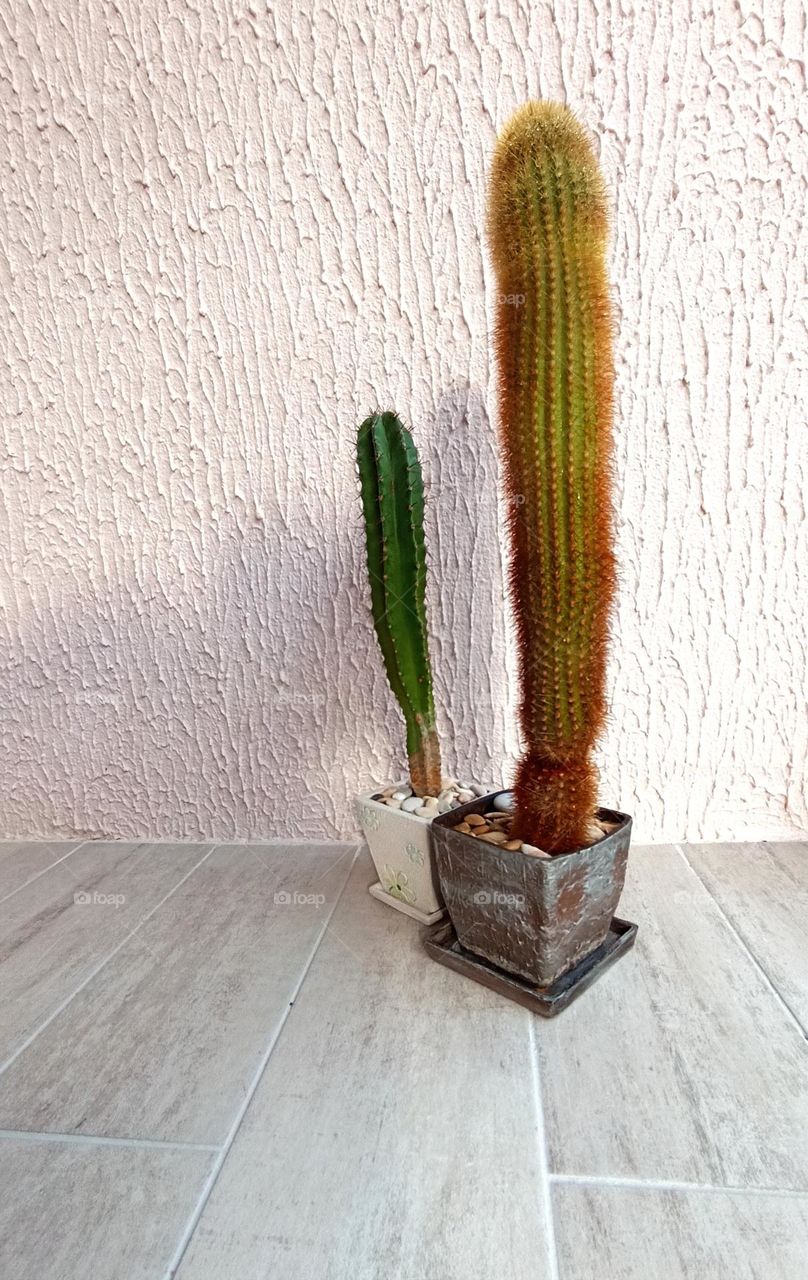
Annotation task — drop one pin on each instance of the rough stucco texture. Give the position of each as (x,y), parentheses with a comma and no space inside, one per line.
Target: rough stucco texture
(228,230)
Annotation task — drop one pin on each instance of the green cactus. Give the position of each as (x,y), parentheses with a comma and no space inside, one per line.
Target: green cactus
(547,226)
(393,505)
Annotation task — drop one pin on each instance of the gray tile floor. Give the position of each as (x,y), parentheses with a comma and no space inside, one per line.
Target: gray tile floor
(230,1061)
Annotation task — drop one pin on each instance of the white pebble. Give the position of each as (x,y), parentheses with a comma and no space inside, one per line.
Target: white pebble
(465,795)
(428,810)
(533,852)
(445,803)
(504,802)
(411,804)
(401,793)
(478,790)
(392,803)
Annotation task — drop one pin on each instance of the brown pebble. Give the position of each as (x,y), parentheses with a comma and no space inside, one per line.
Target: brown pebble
(462,826)
(475,820)
(512,845)
(492,837)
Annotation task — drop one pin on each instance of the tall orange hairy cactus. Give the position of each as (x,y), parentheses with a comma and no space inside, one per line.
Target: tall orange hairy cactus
(547,227)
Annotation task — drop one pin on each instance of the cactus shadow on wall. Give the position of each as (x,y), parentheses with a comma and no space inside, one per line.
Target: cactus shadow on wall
(200,698)
(231,686)
(466,590)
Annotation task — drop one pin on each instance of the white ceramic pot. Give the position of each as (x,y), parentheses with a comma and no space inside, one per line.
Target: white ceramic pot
(401,848)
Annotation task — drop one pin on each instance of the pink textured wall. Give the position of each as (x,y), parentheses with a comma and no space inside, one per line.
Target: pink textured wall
(227,233)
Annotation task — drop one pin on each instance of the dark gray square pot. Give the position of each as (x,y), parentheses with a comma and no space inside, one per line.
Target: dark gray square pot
(535,917)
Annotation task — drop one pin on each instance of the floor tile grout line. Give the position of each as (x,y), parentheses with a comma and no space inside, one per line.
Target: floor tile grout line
(26,1044)
(543,1155)
(99,1140)
(744,944)
(45,870)
(650,1184)
(213,1176)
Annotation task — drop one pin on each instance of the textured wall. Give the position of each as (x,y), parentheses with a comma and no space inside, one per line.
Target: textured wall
(227,231)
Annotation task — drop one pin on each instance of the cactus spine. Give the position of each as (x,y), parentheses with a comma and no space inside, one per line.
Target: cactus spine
(547,226)
(393,505)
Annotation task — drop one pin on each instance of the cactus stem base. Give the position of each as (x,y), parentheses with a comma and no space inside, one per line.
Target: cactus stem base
(555,796)
(425,771)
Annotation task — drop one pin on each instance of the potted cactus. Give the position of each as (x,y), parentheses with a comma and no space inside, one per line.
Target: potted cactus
(396,818)
(532,878)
